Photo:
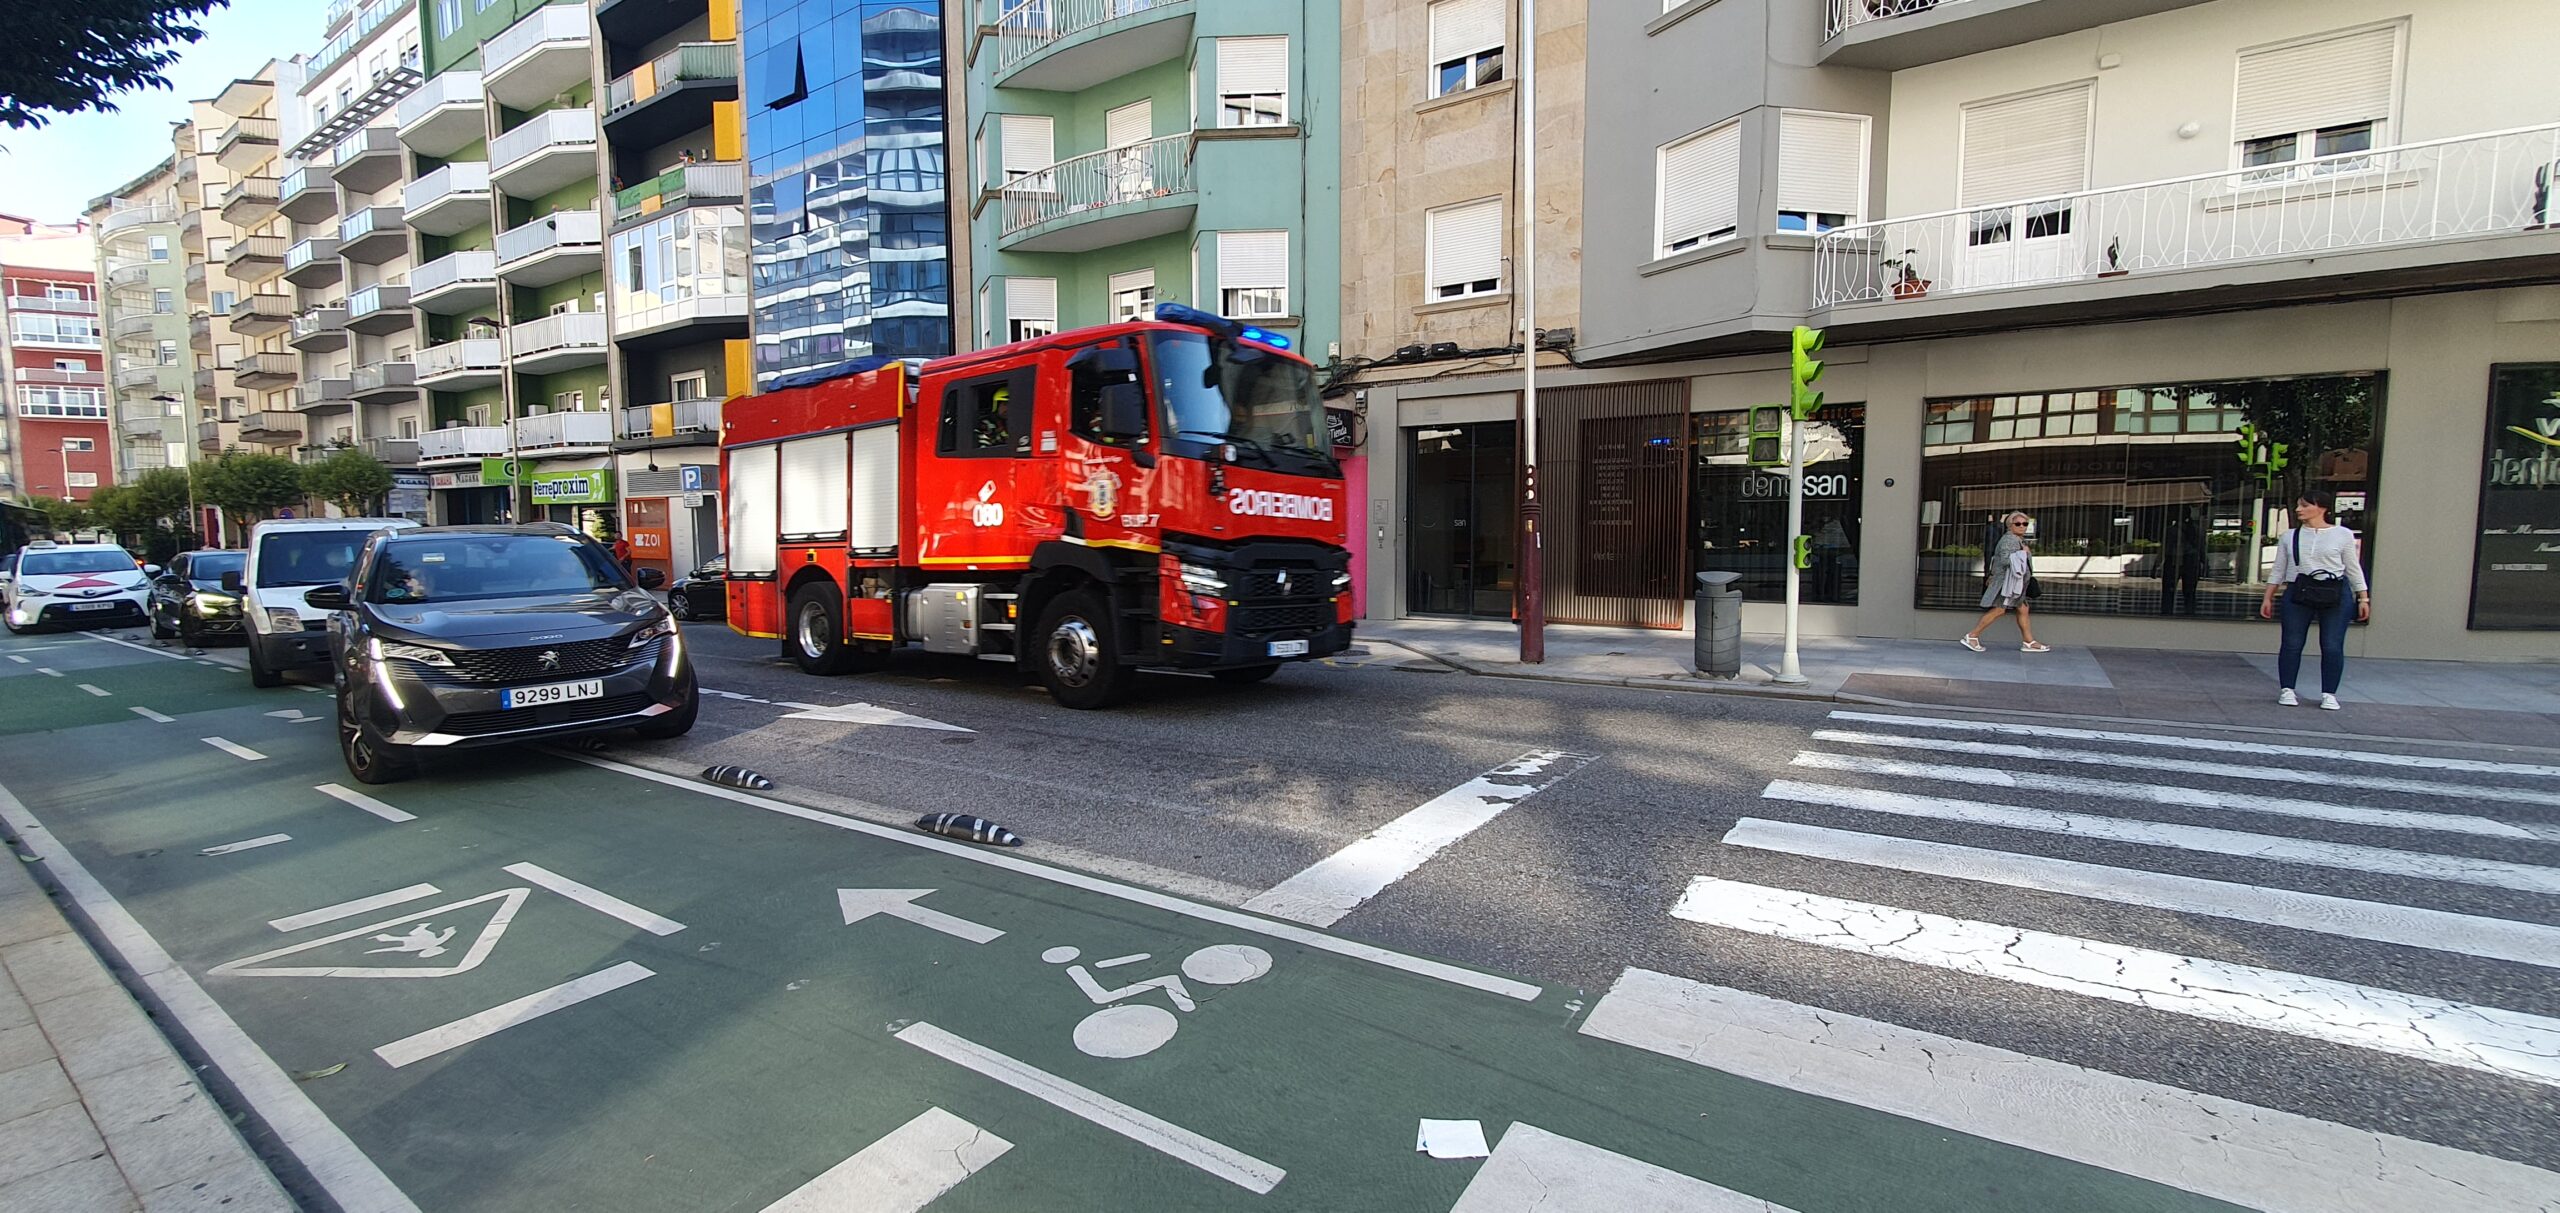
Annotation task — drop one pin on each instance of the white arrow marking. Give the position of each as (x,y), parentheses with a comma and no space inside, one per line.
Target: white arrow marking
(292,715)
(863,713)
(859,904)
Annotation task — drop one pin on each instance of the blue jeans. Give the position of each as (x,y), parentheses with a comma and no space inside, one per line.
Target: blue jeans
(2296,620)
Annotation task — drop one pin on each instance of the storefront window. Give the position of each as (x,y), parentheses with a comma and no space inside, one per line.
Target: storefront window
(2512,580)
(1740,511)
(2142,499)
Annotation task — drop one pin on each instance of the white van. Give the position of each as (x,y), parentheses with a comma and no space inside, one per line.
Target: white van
(288,558)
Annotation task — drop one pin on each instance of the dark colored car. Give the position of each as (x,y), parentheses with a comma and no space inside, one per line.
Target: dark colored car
(702,593)
(187,600)
(445,638)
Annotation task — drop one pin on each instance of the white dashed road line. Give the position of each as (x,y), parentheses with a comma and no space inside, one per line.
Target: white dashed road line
(2220,744)
(367,803)
(480,1026)
(100,692)
(155,717)
(902,1172)
(232,848)
(595,899)
(235,749)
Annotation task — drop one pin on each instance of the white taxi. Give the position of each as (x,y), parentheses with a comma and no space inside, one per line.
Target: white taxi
(76,585)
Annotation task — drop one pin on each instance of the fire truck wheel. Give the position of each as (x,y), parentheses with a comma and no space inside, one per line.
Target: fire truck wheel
(1079,656)
(1245,674)
(817,630)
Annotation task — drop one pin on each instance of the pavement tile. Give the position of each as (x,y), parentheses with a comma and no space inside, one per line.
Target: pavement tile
(40,1141)
(23,1045)
(26,913)
(30,1089)
(242,1187)
(13,1006)
(91,1185)
(185,1142)
(100,1032)
(57,966)
(137,1094)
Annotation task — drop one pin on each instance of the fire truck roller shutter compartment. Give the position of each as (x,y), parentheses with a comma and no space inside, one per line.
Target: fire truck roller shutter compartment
(874,524)
(814,501)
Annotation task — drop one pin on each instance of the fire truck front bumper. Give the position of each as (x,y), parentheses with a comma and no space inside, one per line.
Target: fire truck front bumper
(1184,648)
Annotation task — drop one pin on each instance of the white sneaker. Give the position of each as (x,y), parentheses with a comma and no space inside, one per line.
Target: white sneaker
(2328,703)
(2285,698)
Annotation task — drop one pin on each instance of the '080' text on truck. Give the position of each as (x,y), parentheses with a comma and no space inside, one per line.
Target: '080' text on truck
(1151,495)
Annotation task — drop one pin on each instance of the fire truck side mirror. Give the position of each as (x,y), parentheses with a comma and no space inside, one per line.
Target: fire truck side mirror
(1124,411)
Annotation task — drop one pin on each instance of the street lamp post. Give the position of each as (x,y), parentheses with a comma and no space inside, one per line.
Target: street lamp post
(1533,588)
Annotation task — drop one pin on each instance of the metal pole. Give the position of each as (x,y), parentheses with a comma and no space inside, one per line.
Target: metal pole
(1788,674)
(1533,597)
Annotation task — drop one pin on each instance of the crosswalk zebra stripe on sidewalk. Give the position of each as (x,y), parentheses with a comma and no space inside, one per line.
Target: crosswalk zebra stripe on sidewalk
(2194,798)
(2146,762)
(2422,865)
(2409,926)
(2224,745)
(2281,1162)
(2489,1040)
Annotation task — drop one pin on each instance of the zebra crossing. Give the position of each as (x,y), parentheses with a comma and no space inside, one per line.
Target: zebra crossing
(2016,843)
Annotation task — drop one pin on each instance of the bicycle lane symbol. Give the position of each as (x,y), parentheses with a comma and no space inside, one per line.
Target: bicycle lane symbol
(1124,1029)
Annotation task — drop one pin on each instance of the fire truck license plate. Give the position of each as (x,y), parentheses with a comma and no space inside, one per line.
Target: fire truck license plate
(1288,648)
(558,692)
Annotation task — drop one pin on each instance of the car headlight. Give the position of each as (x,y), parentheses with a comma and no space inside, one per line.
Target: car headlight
(282,619)
(29,591)
(1341,582)
(1202,580)
(210,605)
(663,627)
(420,653)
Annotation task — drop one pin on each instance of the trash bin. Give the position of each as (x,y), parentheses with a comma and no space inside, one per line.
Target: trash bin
(1718,639)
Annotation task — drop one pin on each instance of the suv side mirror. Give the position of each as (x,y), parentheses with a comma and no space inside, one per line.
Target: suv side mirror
(152,570)
(327,598)
(651,579)
(231,583)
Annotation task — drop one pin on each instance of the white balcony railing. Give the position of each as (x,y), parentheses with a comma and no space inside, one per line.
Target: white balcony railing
(469,265)
(1157,168)
(2446,189)
(462,178)
(468,354)
(556,431)
(568,330)
(1028,27)
(556,128)
(683,417)
(447,88)
(1849,14)
(560,229)
(463,442)
(551,23)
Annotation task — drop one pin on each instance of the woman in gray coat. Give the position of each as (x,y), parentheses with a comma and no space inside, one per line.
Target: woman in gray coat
(2006,573)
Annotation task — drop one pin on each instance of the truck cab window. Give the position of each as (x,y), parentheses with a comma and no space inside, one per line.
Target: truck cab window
(1085,382)
(988,418)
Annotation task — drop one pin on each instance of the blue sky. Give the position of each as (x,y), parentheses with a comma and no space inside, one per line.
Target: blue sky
(51,174)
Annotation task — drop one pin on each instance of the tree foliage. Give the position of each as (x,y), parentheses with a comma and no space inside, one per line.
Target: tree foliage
(349,479)
(65,516)
(153,511)
(248,485)
(67,56)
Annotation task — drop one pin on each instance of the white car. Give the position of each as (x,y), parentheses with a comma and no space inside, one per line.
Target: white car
(76,585)
(288,558)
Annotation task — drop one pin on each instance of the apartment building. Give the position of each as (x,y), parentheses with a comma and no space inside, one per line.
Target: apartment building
(139,253)
(56,441)
(237,136)
(2064,253)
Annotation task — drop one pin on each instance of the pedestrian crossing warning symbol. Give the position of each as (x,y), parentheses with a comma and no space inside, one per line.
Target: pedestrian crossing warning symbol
(430,943)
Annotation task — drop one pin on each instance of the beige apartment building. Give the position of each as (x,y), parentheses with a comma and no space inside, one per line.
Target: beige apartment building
(2071,258)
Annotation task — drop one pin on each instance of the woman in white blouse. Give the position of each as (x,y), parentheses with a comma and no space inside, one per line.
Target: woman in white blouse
(2319,566)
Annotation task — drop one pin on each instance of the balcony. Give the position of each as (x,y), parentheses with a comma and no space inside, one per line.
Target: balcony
(1895,34)
(48,377)
(690,420)
(688,185)
(209,437)
(204,386)
(462,444)
(373,235)
(260,314)
(1101,199)
(387,382)
(134,377)
(459,366)
(367,160)
(307,195)
(254,259)
(445,115)
(271,427)
(537,58)
(246,144)
(455,283)
(557,343)
(131,277)
(663,99)
(249,201)
(393,452)
(646,319)
(132,328)
(553,248)
(379,309)
(314,262)
(131,413)
(640,22)
(2385,221)
(1069,45)
(195,278)
(260,371)
(200,332)
(319,330)
(451,200)
(549,435)
(127,218)
(326,394)
(547,152)
(191,230)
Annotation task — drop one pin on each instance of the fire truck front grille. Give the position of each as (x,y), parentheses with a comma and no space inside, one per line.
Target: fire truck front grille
(1286,583)
(1251,619)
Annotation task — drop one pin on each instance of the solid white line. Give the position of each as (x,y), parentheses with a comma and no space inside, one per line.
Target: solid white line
(100,692)
(470,1028)
(2194,798)
(1534,1171)
(1337,884)
(2256,1157)
(2490,1040)
(349,909)
(2146,762)
(148,714)
(362,801)
(2423,865)
(228,848)
(1233,920)
(324,1150)
(48,671)
(235,749)
(596,899)
(139,648)
(2409,926)
(2224,745)
(902,1172)
(1163,1136)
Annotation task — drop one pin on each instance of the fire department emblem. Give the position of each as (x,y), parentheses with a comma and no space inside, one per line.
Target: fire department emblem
(1105,487)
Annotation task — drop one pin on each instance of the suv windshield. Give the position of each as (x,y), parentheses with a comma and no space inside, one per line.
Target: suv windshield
(1226,391)
(207,569)
(55,564)
(448,568)
(288,558)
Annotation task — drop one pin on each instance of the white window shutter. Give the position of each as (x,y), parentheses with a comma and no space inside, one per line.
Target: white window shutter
(1253,259)
(2021,149)
(1463,244)
(1131,281)
(1031,299)
(1701,181)
(1822,162)
(1253,65)
(1030,142)
(1463,27)
(1133,123)
(2335,81)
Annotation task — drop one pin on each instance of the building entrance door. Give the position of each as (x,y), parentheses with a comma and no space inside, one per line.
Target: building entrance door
(1461,514)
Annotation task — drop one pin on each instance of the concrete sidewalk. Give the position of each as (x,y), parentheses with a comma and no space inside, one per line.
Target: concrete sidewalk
(2510,703)
(97,1113)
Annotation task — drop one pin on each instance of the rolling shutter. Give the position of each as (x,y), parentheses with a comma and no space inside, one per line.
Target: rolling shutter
(2335,81)
(1253,259)
(1700,181)
(1253,65)
(1463,244)
(1822,161)
(813,486)
(1130,124)
(2025,148)
(1460,28)
(1031,299)
(1030,143)
(874,524)
(751,516)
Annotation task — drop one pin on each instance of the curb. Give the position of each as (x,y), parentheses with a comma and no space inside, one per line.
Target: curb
(1699,685)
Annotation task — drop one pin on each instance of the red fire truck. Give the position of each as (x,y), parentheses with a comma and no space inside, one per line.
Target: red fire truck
(1152,495)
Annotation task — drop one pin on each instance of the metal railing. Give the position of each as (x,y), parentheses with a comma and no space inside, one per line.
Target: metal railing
(271,364)
(48,375)
(138,376)
(724,181)
(468,354)
(2445,189)
(47,303)
(383,376)
(554,128)
(396,452)
(308,250)
(443,89)
(1027,28)
(125,218)
(550,23)
(251,190)
(317,320)
(270,423)
(307,179)
(254,248)
(559,229)
(380,297)
(463,442)
(261,307)
(683,417)
(1849,14)
(372,140)
(458,179)
(1157,168)
(245,130)
(552,431)
(365,221)
(452,269)
(568,330)
(688,61)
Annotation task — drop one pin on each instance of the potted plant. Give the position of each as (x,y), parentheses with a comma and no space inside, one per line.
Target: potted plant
(1907,282)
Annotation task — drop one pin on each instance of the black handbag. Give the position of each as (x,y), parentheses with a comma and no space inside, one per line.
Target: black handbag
(2318,590)
(2035,588)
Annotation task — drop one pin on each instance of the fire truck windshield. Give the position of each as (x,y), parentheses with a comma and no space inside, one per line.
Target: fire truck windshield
(1265,403)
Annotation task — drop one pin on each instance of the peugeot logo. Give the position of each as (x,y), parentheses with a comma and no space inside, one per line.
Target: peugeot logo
(550,659)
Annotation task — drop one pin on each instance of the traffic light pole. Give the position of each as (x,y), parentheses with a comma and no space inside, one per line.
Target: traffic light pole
(1533,566)
(1788,673)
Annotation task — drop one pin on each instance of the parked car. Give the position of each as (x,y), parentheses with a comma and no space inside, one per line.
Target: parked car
(288,558)
(187,601)
(702,593)
(8,573)
(446,638)
(76,585)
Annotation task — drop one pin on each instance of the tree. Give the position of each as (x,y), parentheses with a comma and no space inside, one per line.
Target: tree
(247,486)
(349,479)
(154,509)
(66,56)
(64,516)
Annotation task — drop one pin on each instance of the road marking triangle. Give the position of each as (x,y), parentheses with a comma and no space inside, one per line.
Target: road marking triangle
(421,942)
(863,713)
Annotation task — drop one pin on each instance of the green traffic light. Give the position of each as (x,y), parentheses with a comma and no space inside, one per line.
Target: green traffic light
(1804,551)
(1803,370)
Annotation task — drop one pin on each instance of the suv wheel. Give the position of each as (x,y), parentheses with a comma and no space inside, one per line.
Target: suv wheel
(368,758)
(259,674)
(159,630)
(1079,657)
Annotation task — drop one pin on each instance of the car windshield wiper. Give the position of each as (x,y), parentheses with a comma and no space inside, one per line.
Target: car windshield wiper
(1238,439)
(1323,458)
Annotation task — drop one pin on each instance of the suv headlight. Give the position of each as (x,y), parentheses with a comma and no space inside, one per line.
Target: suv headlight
(420,653)
(210,605)
(1200,579)
(663,627)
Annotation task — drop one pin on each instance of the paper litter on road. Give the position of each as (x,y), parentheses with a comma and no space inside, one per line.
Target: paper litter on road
(1451,1139)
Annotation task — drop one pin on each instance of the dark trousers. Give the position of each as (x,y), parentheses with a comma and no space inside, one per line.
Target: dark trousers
(2296,620)
(2172,587)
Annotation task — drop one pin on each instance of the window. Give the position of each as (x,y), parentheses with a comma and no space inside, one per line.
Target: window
(1133,296)
(2513,579)
(448,17)
(2027,148)
(66,293)
(1739,512)
(693,385)
(988,418)
(2326,96)
(163,302)
(1029,148)
(1132,170)
(1030,308)
(159,248)
(168,353)
(477,414)
(1822,170)
(1084,399)
(80,444)
(224,301)
(1253,81)
(1253,275)
(1462,250)
(1698,185)
(81,480)
(1466,44)
(71,364)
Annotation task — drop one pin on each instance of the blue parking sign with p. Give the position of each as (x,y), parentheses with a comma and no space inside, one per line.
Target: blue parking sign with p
(689,478)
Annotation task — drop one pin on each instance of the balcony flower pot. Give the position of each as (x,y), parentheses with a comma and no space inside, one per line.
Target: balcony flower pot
(1911,288)
(1907,282)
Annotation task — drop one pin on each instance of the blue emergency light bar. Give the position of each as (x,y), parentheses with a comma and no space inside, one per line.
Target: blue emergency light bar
(1175,313)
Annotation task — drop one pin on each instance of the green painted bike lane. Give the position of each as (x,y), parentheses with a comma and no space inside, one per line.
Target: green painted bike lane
(769,1039)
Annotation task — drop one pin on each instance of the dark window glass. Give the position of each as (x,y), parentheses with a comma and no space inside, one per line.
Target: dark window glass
(2513,578)
(1740,511)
